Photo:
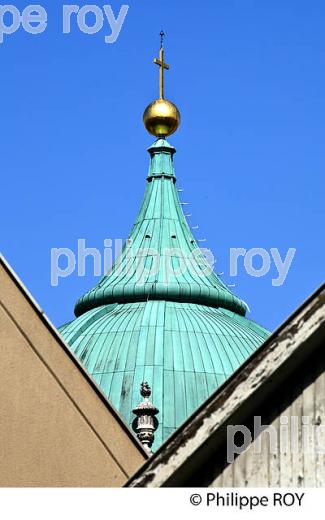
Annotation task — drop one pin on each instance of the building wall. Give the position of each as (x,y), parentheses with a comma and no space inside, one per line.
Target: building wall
(55,428)
(296,459)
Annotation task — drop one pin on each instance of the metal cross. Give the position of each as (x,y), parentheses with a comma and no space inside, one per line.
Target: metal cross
(162,65)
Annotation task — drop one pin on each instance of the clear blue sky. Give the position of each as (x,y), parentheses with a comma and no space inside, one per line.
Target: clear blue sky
(249,79)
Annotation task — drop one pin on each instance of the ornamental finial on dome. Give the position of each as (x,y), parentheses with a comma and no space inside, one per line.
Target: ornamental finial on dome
(146,423)
(161,118)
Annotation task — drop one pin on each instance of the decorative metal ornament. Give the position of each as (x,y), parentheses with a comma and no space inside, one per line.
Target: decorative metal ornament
(161,118)
(146,423)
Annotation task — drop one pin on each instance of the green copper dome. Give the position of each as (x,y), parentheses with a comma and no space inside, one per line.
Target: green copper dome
(161,315)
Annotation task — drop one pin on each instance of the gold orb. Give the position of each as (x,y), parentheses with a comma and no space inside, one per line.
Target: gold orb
(161,118)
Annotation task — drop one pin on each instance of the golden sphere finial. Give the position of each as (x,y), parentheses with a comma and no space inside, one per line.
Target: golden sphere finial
(161,118)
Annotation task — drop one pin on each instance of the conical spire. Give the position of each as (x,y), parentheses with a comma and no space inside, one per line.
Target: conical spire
(161,259)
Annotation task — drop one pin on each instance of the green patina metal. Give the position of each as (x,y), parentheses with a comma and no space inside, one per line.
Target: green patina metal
(182,330)
(161,228)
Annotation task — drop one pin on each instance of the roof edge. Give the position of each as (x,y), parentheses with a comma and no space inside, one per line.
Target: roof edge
(54,332)
(154,473)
